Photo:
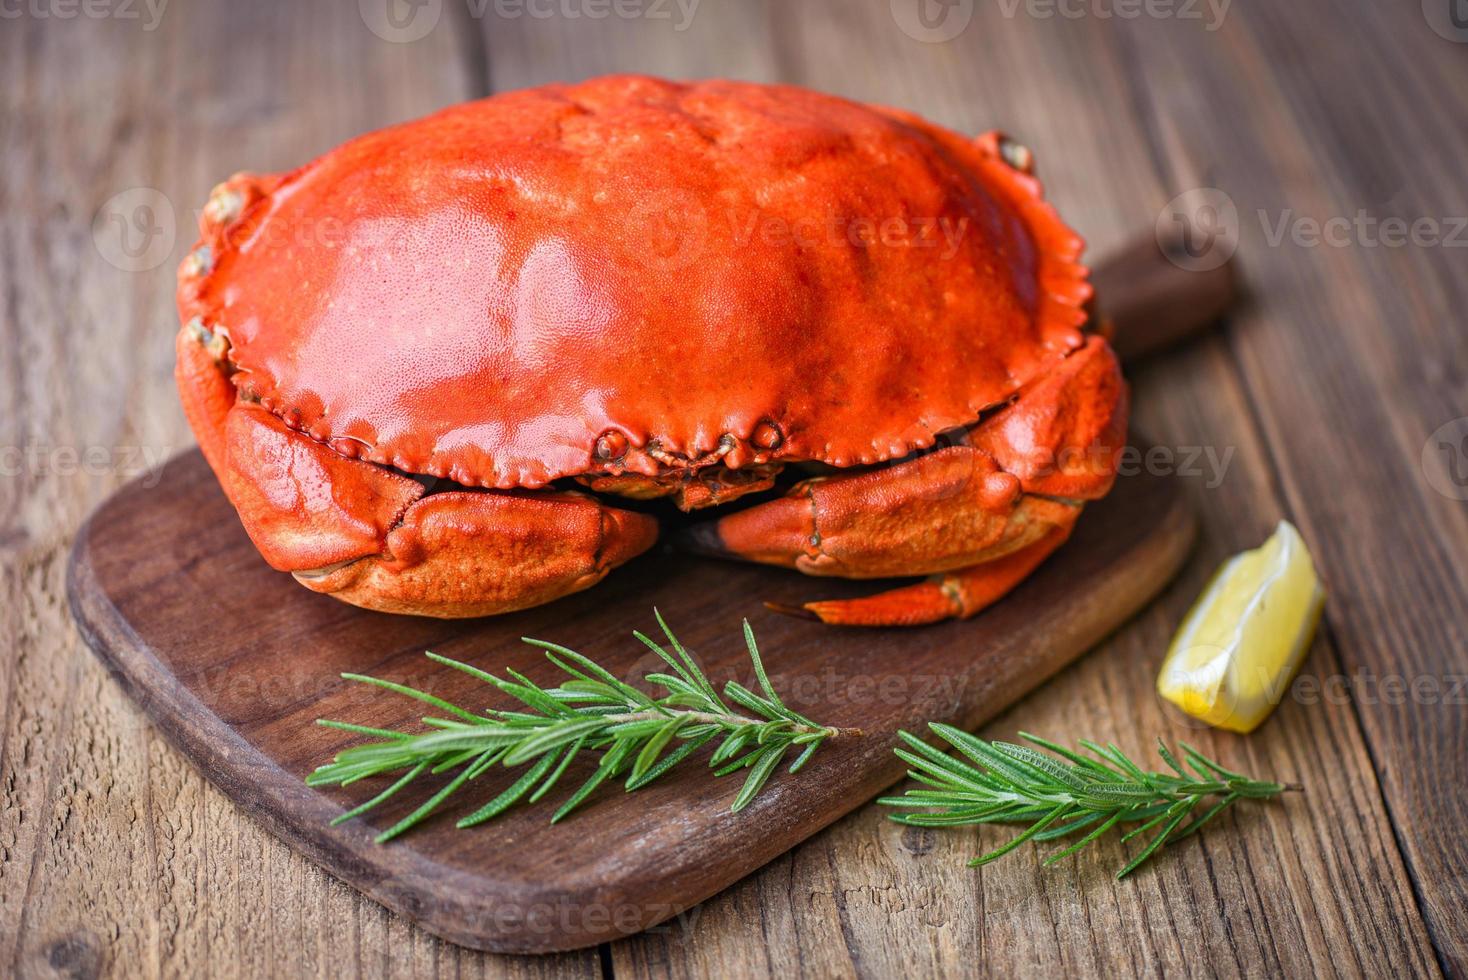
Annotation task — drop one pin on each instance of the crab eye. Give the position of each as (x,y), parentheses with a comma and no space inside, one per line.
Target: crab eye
(224,205)
(199,262)
(767,435)
(610,446)
(1017,155)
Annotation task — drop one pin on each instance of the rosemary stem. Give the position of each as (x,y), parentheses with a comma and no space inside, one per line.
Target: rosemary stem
(1064,792)
(637,736)
(729,720)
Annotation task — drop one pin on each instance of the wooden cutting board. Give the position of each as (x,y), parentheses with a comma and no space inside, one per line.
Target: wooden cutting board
(235,662)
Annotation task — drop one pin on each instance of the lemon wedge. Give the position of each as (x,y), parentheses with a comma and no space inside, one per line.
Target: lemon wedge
(1241,643)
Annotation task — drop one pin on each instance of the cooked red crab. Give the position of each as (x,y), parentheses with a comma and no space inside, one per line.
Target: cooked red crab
(549,298)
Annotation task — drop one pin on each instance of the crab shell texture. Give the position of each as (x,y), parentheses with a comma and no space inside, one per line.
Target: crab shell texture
(423,364)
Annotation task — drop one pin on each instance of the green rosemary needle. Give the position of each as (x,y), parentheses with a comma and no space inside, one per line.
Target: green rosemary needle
(639,737)
(1005,783)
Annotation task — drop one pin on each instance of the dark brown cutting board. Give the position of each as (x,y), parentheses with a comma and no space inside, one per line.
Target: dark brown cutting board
(235,662)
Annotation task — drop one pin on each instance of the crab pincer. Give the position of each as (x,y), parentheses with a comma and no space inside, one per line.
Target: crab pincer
(976,518)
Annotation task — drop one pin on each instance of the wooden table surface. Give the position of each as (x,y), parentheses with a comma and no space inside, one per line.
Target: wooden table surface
(1336,132)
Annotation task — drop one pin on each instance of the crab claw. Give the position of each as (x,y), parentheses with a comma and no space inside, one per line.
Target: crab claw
(303,505)
(480,553)
(976,518)
(370,536)
(1062,435)
(947,510)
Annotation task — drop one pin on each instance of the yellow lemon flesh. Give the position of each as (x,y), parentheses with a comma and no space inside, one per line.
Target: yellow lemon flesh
(1241,643)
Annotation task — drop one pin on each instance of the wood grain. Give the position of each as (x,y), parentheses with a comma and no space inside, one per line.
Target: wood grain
(867,898)
(1350,368)
(116,857)
(239,692)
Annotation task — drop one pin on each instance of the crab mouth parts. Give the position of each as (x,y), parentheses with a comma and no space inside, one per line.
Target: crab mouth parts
(691,483)
(683,487)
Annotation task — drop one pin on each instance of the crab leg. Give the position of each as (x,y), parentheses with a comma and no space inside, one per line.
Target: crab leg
(958,594)
(977,517)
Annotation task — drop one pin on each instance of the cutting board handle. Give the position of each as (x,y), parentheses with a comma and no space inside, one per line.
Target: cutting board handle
(1147,301)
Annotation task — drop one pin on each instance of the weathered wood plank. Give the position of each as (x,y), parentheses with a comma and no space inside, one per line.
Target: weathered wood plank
(1294,105)
(674,38)
(115,855)
(625,863)
(1268,891)
(1355,358)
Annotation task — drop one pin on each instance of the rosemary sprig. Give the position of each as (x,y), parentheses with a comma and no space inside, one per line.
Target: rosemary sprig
(639,737)
(1005,783)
